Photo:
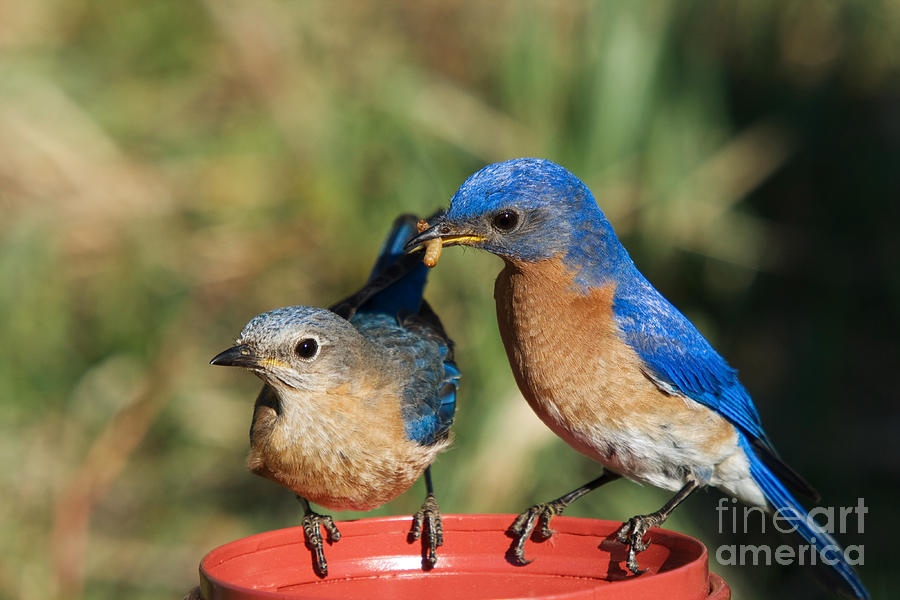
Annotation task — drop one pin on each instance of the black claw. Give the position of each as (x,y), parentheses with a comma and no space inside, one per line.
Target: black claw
(312,524)
(622,533)
(522,528)
(333,533)
(546,532)
(632,535)
(519,525)
(632,563)
(524,525)
(428,520)
(632,532)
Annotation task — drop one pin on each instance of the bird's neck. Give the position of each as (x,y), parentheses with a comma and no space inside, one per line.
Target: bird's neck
(595,256)
(332,412)
(588,263)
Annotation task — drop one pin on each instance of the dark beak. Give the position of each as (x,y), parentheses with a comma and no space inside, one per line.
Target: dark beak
(237,356)
(448,234)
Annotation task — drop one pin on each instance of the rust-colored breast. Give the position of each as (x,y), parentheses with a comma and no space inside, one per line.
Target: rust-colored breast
(342,449)
(582,379)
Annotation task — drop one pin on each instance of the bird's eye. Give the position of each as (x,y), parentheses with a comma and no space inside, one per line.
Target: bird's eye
(306,349)
(505,220)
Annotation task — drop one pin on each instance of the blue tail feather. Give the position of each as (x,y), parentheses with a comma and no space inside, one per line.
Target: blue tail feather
(840,574)
(404,227)
(405,294)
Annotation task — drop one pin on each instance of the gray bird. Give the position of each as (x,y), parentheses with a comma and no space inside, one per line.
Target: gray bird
(358,399)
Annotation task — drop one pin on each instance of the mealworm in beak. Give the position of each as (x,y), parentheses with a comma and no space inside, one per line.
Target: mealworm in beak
(432,252)
(432,247)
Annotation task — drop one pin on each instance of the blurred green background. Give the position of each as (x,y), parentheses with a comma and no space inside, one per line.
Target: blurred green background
(169,169)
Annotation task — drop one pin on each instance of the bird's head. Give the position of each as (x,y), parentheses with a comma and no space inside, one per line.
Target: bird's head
(297,347)
(523,210)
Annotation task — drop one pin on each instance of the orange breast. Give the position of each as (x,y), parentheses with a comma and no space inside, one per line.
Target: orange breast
(583,380)
(341,449)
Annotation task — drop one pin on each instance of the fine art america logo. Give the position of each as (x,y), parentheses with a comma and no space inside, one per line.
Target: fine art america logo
(734,518)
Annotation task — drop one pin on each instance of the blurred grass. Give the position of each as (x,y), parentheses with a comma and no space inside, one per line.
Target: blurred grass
(170,169)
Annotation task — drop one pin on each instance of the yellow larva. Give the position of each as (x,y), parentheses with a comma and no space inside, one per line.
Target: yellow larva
(432,252)
(432,247)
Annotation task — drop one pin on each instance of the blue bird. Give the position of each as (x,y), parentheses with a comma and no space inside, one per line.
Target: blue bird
(358,399)
(609,364)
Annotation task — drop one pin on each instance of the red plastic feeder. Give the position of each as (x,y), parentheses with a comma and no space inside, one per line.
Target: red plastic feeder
(375,559)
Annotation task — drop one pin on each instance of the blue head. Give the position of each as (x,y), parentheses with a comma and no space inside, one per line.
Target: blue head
(527,210)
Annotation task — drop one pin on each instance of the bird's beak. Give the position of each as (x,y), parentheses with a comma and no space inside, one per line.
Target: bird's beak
(449,235)
(238,356)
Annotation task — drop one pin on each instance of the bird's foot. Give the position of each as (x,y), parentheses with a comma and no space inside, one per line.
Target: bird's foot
(525,523)
(632,535)
(428,518)
(312,524)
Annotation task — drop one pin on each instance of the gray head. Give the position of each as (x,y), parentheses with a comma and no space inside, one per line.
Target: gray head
(298,347)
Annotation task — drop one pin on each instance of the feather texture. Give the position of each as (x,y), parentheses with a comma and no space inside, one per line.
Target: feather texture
(603,358)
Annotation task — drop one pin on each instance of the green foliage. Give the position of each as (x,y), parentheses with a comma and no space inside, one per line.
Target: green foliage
(170,169)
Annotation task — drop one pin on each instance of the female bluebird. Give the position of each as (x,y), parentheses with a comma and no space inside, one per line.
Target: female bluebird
(358,400)
(609,364)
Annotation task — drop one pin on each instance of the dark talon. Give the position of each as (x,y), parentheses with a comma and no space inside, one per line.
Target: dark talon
(524,525)
(428,518)
(312,522)
(522,528)
(546,532)
(632,535)
(632,532)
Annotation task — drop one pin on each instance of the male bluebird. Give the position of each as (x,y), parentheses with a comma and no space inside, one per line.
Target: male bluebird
(609,364)
(358,400)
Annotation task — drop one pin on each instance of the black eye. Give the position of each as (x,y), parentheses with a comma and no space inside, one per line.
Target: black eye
(307,348)
(505,220)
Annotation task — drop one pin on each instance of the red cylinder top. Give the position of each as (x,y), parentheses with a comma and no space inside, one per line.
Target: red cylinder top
(375,559)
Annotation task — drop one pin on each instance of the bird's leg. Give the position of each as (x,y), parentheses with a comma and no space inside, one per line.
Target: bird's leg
(312,521)
(524,524)
(429,517)
(633,530)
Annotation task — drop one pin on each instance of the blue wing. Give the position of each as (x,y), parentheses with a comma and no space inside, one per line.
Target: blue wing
(390,310)
(428,416)
(679,359)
